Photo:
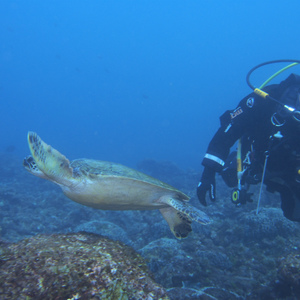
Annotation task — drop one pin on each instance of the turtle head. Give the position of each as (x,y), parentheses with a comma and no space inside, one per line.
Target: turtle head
(30,165)
(45,159)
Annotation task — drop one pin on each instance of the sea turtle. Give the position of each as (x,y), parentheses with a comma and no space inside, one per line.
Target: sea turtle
(111,186)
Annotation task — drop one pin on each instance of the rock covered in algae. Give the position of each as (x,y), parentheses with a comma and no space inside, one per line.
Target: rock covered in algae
(289,274)
(74,266)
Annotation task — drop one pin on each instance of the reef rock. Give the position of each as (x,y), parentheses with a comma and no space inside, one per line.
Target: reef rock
(269,223)
(108,229)
(74,266)
(289,275)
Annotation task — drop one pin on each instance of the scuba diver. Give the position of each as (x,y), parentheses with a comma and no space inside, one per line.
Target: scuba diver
(267,124)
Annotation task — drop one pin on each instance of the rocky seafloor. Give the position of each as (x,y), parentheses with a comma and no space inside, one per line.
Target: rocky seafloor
(45,246)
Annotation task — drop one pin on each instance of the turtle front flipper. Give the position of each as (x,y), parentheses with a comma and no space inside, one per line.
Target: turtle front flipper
(49,161)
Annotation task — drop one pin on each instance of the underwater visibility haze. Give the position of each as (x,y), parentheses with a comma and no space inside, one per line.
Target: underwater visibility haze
(121,81)
(143,84)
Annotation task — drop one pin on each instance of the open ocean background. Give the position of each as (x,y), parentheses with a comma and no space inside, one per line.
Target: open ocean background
(141,83)
(128,80)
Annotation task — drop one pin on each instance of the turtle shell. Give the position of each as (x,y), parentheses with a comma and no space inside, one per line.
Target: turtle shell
(94,169)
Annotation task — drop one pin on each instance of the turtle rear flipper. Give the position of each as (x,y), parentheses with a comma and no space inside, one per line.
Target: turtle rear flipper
(49,161)
(179,225)
(180,215)
(189,211)
(186,209)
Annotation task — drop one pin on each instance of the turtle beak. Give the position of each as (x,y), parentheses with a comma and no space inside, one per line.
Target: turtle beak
(28,163)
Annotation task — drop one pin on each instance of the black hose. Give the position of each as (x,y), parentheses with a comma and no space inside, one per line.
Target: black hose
(267,63)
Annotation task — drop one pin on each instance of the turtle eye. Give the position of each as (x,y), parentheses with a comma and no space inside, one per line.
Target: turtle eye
(30,159)
(26,161)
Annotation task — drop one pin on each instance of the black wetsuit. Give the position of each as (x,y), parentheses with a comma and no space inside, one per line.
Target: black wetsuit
(259,121)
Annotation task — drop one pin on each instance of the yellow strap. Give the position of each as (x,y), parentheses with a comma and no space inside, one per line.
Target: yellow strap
(261,93)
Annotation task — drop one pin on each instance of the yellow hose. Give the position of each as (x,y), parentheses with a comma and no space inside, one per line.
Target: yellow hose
(277,73)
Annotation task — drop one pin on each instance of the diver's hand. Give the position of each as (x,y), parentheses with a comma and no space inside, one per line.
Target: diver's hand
(207,184)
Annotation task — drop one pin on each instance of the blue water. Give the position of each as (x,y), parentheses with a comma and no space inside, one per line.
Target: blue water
(128,80)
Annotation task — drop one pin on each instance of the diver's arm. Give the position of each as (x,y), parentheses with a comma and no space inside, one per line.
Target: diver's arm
(234,124)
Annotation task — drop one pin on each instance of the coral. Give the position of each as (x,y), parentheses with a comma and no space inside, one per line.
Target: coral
(74,266)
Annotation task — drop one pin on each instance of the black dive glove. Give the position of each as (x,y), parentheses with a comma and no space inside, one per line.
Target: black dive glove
(207,184)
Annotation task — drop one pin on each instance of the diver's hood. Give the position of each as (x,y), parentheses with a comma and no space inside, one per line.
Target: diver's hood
(289,91)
